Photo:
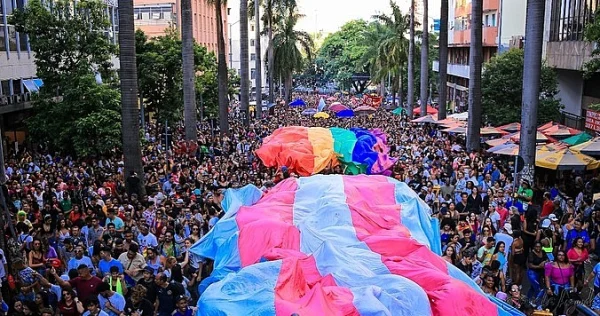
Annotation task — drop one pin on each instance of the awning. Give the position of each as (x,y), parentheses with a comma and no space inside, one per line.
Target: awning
(30,85)
(38,82)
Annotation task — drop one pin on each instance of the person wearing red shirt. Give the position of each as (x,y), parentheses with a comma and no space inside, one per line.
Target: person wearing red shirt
(547,206)
(85,284)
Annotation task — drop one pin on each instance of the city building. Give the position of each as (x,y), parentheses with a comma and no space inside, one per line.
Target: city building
(566,51)
(155,16)
(18,72)
(234,52)
(459,40)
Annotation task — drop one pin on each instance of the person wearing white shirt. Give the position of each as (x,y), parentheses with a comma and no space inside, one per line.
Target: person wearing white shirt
(146,238)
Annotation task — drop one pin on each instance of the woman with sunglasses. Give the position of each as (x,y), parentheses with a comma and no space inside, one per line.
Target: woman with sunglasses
(69,305)
(560,274)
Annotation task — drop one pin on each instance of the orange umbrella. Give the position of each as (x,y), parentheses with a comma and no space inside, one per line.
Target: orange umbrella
(499,141)
(430,110)
(512,127)
(560,130)
(492,131)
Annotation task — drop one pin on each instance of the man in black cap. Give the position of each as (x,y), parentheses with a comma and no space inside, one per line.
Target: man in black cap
(148,282)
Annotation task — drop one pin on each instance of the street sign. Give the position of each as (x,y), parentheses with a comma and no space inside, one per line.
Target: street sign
(436,25)
(592,120)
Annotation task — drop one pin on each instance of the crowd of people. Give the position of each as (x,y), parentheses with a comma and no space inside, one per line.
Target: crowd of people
(90,243)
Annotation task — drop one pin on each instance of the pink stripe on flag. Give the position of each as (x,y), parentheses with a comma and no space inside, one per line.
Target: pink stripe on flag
(269,224)
(377,224)
(301,289)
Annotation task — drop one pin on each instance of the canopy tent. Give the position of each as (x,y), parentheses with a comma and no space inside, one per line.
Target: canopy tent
(511,127)
(297,102)
(591,147)
(577,139)
(566,159)
(399,111)
(456,130)
(549,125)
(447,121)
(336,107)
(430,110)
(508,149)
(345,113)
(425,119)
(309,112)
(560,131)
(460,116)
(322,115)
(492,131)
(539,138)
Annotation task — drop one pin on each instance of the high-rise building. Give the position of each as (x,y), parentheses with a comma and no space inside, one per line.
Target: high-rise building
(233,11)
(459,41)
(155,16)
(566,51)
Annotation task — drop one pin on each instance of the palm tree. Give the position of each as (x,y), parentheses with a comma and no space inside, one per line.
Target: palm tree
(411,61)
(425,60)
(288,46)
(534,33)
(393,48)
(221,68)
(244,75)
(443,61)
(258,61)
(475,61)
(130,124)
(189,73)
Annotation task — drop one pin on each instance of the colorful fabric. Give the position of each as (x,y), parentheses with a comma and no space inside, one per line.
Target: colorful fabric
(333,245)
(310,150)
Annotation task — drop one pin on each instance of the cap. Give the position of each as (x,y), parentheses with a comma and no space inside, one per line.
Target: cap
(508,228)
(179,201)
(47,216)
(21,213)
(552,217)
(546,223)
(149,269)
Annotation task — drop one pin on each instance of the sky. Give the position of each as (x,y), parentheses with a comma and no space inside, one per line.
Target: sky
(330,15)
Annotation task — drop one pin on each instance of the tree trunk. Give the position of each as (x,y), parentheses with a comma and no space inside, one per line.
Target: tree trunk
(411,62)
(222,72)
(271,59)
(130,124)
(534,33)
(189,73)
(400,99)
(393,95)
(475,61)
(443,62)
(258,61)
(288,88)
(244,73)
(425,60)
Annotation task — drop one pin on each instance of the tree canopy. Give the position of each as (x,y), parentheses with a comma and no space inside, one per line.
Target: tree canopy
(341,53)
(70,52)
(502,89)
(592,34)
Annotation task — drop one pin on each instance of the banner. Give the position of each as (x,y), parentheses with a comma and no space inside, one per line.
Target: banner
(374,101)
(592,120)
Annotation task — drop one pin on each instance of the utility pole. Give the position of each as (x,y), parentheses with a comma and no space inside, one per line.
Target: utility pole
(411,63)
(425,59)
(532,68)
(258,61)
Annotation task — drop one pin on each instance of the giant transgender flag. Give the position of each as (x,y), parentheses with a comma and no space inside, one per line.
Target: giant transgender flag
(310,150)
(333,245)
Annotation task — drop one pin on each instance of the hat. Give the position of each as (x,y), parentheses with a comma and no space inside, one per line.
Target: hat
(149,269)
(21,213)
(284,168)
(179,201)
(508,228)
(546,223)
(552,217)
(47,216)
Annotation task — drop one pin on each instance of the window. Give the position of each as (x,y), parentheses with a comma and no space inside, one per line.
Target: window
(12,39)
(252,28)
(2,46)
(493,19)
(486,20)
(16,86)
(568,18)
(23,42)
(228,11)
(6,87)
(252,57)
(251,42)
(252,74)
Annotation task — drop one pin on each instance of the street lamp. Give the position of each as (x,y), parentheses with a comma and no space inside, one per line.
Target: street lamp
(230,44)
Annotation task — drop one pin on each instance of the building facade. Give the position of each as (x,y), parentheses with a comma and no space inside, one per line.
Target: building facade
(459,40)
(566,51)
(234,52)
(155,16)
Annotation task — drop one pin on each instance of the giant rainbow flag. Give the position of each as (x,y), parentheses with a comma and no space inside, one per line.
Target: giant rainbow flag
(333,245)
(310,150)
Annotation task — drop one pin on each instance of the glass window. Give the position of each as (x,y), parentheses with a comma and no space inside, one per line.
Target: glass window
(493,19)
(9,6)
(2,46)
(251,42)
(16,86)
(20,4)
(252,74)
(252,56)
(5,87)
(23,42)
(12,39)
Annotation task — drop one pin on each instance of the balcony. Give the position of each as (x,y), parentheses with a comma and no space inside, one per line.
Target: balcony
(457,70)
(490,36)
